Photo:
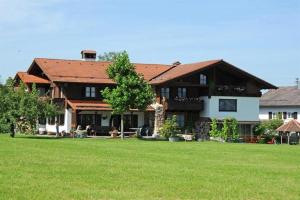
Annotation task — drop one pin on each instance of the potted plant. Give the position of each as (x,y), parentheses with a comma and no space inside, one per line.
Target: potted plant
(170,129)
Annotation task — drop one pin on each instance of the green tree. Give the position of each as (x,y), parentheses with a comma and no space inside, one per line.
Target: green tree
(214,132)
(225,129)
(108,56)
(131,90)
(22,107)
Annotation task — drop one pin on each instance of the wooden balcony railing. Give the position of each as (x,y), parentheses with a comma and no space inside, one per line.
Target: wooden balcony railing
(233,90)
(185,104)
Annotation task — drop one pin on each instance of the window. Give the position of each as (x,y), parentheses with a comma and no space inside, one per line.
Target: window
(165,92)
(51,120)
(284,115)
(295,115)
(227,105)
(180,120)
(203,79)
(90,92)
(61,119)
(245,129)
(41,91)
(42,121)
(289,115)
(181,92)
(270,115)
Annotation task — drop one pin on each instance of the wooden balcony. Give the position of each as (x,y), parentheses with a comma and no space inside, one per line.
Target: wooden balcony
(185,104)
(232,90)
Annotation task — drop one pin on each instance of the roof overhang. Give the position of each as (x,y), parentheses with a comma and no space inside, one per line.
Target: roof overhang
(28,78)
(92,105)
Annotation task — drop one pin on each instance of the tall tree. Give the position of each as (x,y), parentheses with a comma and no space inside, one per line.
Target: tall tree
(131,90)
(108,56)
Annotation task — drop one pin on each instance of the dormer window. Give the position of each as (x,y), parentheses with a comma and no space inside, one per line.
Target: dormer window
(203,79)
(90,92)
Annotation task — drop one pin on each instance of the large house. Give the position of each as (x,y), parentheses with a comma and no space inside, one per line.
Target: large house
(282,103)
(197,91)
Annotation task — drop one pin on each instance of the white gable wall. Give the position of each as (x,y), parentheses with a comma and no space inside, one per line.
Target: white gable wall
(247,108)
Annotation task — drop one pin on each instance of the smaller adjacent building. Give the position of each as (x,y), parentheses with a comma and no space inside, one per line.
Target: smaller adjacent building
(282,103)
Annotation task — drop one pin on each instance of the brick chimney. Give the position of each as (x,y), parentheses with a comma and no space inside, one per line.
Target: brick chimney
(88,55)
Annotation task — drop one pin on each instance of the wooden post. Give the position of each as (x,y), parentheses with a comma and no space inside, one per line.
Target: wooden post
(74,119)
(288,137)
(122,126)
(251,133)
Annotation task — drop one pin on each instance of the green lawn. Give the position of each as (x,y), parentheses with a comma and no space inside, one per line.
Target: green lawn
(34,168)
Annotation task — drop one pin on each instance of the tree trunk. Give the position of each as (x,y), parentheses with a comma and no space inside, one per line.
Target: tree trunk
(122,126)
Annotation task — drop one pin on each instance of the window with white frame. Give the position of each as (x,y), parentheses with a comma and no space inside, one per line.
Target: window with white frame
(181,92)
(165,92)
(203,79)
(90,92)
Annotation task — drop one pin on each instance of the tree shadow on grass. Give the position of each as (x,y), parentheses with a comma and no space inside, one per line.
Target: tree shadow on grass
(38,137)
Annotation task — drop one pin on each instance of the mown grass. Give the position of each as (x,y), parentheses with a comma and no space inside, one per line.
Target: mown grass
(132,169)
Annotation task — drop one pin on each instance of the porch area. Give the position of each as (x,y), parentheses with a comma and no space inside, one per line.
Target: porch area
(98,118)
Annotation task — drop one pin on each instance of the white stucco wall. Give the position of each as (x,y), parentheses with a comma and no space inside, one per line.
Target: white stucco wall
(247,108)
(264,112)
(66,127)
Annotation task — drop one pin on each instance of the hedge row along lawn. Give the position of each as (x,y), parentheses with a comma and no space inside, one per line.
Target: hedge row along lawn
(44,168)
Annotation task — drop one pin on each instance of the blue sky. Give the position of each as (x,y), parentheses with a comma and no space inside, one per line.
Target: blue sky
(260,36)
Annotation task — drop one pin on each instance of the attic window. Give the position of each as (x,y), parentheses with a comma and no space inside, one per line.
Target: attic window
(203,79)
(90,92)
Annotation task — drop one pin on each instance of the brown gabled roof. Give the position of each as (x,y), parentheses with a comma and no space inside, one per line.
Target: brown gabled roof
(291,126)
(28,78)
(59,70)
(186,69)
(283,96)
(181,70)
(90,71)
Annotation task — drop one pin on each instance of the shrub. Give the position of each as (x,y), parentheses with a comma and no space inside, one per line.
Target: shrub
(268,127)
(170,127)
(214,132)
